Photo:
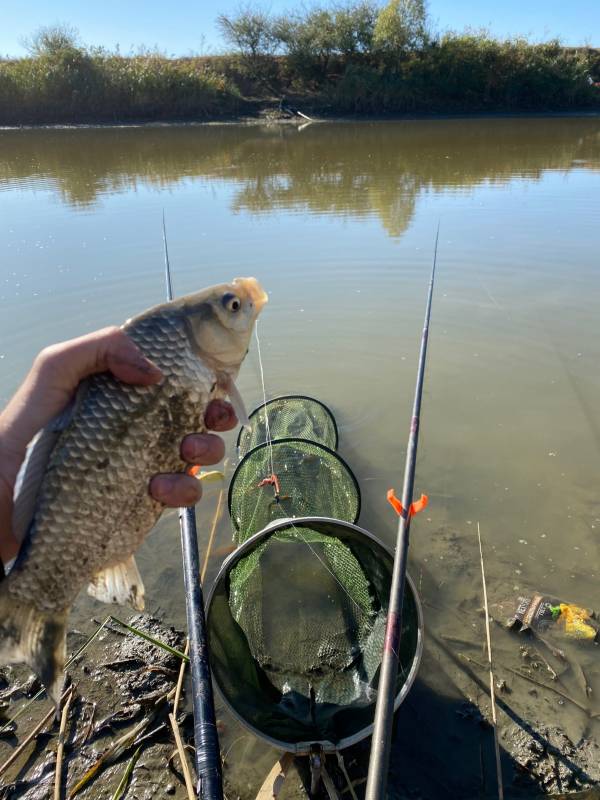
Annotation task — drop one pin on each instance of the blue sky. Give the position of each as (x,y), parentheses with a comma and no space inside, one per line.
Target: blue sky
(188,25)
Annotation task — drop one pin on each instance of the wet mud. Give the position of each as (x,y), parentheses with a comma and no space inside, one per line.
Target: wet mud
(547,691)
(120,687)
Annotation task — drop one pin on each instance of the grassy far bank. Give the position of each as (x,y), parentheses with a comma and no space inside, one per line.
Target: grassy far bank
(361,58)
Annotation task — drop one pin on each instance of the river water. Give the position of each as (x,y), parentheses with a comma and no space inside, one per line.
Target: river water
(338,222)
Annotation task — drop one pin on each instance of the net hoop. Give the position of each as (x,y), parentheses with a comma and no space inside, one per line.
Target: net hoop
(291,440)
(277,399)
(304,748)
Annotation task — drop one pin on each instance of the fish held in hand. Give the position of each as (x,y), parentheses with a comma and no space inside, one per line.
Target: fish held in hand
(82,505)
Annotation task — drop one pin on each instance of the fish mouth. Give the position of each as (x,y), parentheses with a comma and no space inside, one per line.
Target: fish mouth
(256,294)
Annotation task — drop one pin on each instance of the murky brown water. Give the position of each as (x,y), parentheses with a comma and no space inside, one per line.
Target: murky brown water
(338,222)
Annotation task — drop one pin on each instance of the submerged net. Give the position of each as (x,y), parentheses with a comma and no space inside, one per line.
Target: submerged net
(293,416)
(297,617)
(311,480)
(296,628)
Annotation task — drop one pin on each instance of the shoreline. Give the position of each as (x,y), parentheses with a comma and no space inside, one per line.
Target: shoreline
(270,116)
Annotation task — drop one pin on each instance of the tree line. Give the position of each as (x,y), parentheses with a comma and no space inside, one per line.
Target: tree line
(357,56)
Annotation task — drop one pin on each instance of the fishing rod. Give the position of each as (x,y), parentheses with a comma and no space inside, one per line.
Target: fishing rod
(206,740)
(386,692)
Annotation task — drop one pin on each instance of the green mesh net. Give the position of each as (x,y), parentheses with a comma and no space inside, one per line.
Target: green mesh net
(297,617)
(296,625)
(310,479)
(293,416)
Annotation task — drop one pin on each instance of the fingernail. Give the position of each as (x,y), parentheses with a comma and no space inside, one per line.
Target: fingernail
(162,486)
(147,367)
(198,447)
(138,360)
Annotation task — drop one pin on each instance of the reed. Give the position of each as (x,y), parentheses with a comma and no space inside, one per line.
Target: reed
(75,85)
(185,765)
(492,687)
(122,787)
(143,635)
(61,747)
(32,734)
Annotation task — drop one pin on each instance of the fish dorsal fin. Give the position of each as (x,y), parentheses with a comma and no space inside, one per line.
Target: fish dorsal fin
(236,401)
(120,583)
(31,474)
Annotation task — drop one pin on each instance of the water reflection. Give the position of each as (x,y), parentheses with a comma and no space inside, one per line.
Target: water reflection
(354,170)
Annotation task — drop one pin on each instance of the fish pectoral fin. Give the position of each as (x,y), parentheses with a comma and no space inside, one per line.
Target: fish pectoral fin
(236,401)
(120,583)
(38,639)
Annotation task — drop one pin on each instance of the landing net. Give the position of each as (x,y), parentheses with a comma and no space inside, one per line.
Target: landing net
(296,624)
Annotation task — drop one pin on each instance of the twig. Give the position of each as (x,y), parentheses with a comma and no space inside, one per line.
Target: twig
(61,747)
(541,684)
(13,757)
(113,753)
(75,655)
(120,790)
(172,650)
(342,766)
(180,679)
(211,537)
(189,783)
(492,691)
(85,733)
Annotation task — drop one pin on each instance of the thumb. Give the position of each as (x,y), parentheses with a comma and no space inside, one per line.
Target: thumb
(53,378)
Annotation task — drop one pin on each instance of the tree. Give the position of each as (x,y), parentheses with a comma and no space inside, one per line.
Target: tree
(310,40)
(400,25)
(249,31)
(354,26)
(51,40)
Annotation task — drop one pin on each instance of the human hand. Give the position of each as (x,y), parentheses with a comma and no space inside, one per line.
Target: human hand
(48,388)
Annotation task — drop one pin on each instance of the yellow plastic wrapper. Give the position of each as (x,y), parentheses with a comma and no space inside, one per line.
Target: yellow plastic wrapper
(574,620)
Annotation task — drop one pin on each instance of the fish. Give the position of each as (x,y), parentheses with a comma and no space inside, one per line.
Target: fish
(82,505)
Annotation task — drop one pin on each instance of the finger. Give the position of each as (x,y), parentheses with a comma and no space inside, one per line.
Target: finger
(175,490)
(202,448)
(220,416)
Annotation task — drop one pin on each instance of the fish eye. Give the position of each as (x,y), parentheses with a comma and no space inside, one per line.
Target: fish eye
(231,302)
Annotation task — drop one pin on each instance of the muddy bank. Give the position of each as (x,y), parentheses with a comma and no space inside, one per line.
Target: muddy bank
(120,686)
(548,712)
(269,113)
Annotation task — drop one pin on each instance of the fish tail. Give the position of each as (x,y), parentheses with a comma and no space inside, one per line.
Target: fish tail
(33,637)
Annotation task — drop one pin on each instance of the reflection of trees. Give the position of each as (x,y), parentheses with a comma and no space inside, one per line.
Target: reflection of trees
(347,169)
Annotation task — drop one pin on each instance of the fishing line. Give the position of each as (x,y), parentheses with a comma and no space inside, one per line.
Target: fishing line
(264,391)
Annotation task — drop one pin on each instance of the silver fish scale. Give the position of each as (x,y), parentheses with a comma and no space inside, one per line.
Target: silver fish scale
(93,508)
